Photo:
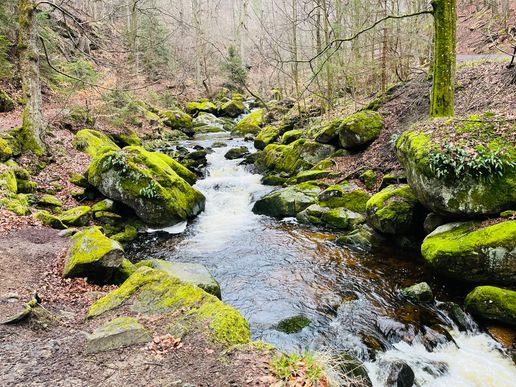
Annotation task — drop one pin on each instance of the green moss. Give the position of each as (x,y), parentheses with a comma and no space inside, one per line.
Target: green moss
(94,255)
(8,182)
(6,102)
(492,303)
(266,136)
(19,204)
(129,233)
(250,123)
(49,201)
(342,195)
(369,178)
(6,151)
(232,108)
(293,324)
(177,119)
(50,220)
(126,269)
(93,142)
(202,106)
(291,136)
(26,186)
(464,240)
(360,128)
(153,292)
(78,216)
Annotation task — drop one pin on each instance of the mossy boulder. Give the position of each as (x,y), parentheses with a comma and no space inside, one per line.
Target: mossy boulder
(232,108)
(483,182)
(103,205)
(128,234)
(473,252)
(348,195)
(147,182)
(329,134)
(369,178)
(250,124)
(492,303)
(395,210)
(292,159)
(118,333)
(6,102)
(50,220)
(420,292)
(49,201)
(78,216)
(361,238)
(339,218)
(93,255)
(360,129)
(166,299)
(291,136)
(6,151)
(201,107)
(192,273)
(266,136)
(310,175)
(8,182)
(178,120)
(93,142)
(288,201)
(237,153)
(126,138)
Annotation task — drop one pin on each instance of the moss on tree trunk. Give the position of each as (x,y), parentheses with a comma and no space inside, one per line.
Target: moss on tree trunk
(32,130)
(443,91)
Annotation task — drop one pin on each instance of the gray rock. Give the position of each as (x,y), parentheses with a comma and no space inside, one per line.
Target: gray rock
(118,333)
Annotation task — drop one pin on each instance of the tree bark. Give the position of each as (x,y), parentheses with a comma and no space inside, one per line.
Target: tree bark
(33,127)
(442,103)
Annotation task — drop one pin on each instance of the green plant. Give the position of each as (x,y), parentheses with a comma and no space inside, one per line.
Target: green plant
(235,69)
(5,65)
(296,366)
(150,191)
(452,161)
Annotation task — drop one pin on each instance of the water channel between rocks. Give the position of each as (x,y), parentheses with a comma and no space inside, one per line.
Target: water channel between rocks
(271,270)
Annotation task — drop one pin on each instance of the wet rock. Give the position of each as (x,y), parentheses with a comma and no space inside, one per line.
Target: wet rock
(473,252)
(191,273)
(461,319)
(492,303)
(208,123)
(395,210)
(289,201)
(274,179)
(237,153)
(420,292)
(154,293)
(338,218)
(118,333)
(159,192)
(293,324)
(93,255)
(361,238)
(432,221)
(400,375)
(219,144)
(354,370)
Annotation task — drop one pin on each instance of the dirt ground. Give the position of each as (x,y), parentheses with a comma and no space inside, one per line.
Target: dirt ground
(48,348)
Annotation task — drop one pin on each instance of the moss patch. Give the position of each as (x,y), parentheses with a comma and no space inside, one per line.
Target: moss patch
(492,303)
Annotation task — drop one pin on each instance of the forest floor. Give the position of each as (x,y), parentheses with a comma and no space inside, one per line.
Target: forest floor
(48,348)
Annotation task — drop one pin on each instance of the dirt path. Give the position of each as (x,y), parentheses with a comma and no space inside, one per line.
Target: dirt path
(48,348)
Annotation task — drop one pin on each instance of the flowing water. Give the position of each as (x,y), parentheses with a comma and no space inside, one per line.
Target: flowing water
(271,270)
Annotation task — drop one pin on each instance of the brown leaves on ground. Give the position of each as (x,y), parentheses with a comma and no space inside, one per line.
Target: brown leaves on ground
(161,345)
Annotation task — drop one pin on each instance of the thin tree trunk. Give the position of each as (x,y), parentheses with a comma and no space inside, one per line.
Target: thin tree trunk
(443,90)
(33,127)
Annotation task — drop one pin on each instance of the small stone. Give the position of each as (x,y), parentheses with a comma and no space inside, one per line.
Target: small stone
(237,153)
(420,292)
(118,333)
(293,324)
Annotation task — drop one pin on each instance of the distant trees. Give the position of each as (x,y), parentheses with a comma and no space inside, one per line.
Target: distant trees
(234,69)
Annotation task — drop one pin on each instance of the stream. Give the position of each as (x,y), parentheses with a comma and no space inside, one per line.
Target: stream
(271,270)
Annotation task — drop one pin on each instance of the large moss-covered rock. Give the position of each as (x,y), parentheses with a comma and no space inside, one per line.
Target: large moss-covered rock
(360,128)
(156,294)
(78,216)
(266,136)
(192,273)
(470,178)
(232,108)
(288,201)
(93,255)
(291,136)
(348,195)
(201,107)
(6,102)
(395,210)
(473,252)
(339,218)
(300,155)
(9,198)
(118,333)
(148,183)
(250,124)
(93,142)
(492,303)
(178,120)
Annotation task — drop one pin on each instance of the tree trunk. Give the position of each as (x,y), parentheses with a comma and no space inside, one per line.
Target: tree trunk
(33,128)
(442,103)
